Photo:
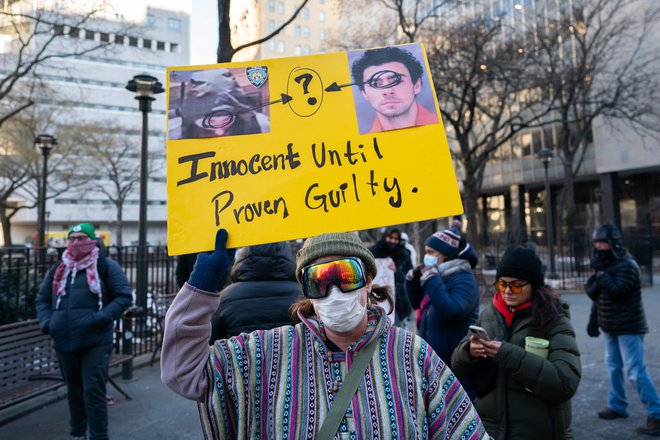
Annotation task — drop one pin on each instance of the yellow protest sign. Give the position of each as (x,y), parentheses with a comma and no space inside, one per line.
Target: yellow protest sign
(288,148)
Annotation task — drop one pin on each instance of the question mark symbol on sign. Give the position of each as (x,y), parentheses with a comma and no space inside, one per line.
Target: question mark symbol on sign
(305,78)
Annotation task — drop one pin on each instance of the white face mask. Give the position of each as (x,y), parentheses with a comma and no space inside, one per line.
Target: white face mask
(430,260)
(340,311)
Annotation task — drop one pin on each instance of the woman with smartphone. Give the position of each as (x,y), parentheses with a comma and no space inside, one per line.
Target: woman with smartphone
(522,391)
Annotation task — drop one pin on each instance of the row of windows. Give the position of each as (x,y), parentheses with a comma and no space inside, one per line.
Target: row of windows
(67,201)
(280,47)
(305,11)
(122,40)
(297,30)
(133,64)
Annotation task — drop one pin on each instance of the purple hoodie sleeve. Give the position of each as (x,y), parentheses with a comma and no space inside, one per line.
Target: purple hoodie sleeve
(185,353)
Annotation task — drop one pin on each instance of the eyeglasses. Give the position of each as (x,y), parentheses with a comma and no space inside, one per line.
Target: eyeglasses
(77,237)
(345,273)
(516,286)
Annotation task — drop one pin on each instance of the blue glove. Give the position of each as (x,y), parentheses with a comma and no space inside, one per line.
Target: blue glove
(210,267)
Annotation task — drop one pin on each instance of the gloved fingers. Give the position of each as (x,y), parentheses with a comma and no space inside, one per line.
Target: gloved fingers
(221,240)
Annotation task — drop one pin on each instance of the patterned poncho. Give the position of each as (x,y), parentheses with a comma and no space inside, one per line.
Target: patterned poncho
(280,384)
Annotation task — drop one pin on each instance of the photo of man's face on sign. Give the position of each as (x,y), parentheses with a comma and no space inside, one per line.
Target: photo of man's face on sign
(392,90)
(218,102)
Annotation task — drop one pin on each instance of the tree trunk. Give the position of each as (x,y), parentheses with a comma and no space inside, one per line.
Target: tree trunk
(470,200)
(120,225)
(6,227)
(225,49)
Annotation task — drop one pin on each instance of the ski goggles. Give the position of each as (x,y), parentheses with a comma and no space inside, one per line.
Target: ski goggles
(346,273)
(516,286)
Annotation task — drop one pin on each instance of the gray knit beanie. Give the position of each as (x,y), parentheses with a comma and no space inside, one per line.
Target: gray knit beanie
(345,244)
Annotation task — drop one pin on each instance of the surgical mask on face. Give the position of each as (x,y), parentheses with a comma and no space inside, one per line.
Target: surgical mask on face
(430,260)
(340,311)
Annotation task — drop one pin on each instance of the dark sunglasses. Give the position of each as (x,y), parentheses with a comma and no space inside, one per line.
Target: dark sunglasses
(346,273)
(516,286)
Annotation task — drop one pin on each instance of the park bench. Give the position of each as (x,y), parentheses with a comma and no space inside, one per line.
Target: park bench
(29,366)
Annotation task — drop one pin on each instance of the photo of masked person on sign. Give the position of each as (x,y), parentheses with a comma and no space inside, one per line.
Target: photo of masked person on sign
(390,92)
(218,102)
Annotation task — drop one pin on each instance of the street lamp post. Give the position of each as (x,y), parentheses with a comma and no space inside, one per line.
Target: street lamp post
(145,87)
(545,155)
(45,143)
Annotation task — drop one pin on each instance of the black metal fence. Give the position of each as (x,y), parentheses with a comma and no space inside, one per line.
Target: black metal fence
(22,270)
(572,259)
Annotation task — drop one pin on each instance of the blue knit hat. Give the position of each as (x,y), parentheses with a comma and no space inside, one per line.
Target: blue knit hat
(446,242)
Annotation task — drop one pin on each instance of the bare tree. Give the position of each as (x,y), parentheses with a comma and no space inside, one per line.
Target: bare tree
(33,32)
(226,50)
(486,96)
(599,61)
(114,165)
(21,169)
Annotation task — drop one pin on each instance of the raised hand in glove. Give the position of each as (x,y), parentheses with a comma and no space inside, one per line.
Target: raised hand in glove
(428,272)
(211,267)
(415,273)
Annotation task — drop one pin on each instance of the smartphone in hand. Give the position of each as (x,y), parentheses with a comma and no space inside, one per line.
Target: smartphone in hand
(479,332)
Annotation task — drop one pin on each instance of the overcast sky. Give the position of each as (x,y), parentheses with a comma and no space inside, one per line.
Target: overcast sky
(204,32)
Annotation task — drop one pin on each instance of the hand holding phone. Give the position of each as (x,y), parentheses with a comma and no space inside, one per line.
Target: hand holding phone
(479,332)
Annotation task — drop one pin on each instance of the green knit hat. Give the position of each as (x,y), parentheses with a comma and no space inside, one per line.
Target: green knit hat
(83,227)
(346,244)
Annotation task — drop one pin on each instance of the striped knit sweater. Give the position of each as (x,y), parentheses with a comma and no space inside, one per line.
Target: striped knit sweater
(248,389)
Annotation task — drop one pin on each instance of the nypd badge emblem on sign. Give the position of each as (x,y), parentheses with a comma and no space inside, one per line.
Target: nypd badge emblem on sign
(257,75)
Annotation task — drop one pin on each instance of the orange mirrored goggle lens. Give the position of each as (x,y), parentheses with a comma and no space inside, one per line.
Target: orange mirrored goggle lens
(345,273)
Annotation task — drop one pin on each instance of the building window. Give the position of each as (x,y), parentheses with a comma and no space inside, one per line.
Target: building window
(271,6)
(296,31)
(133,41)
(160,45)
(271,45)
(280,46)
(321,34)
(105,37)
(271,25)
(298,49)
(280,8)
(146,43)
(322,17)
(306,49)
(151,20)
(306,13)
(174,24)
(174,47)
(306,31)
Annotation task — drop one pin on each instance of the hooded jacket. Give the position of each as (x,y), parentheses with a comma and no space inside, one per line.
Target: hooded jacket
(263,288)
(617,297)
(78,323)
(530,397)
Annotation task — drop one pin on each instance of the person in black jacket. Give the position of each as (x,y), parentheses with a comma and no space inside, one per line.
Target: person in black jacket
(390,245)
(615,290)
(263,288)
(77,304)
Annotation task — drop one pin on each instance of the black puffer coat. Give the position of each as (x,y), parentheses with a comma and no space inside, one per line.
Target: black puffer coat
(263,288)
(78,323)
(616,292)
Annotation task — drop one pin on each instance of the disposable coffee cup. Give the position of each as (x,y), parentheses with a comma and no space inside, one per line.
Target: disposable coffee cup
(537,346)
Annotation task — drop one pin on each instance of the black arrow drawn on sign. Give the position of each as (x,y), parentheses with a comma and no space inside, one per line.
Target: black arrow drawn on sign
(334,87)
(231,116)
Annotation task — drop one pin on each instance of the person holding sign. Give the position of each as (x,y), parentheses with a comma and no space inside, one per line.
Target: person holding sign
(343,368)
(390,78)
(522,358)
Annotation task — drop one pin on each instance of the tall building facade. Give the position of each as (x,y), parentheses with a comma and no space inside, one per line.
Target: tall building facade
(144,36)
(316,24)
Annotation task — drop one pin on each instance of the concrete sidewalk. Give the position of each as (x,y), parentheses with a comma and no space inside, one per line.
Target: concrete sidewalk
(156,413)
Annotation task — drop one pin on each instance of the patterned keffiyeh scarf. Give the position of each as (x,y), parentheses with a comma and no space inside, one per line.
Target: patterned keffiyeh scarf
(69,266)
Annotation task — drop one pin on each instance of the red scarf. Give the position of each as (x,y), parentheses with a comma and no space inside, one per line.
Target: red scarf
(505,310)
